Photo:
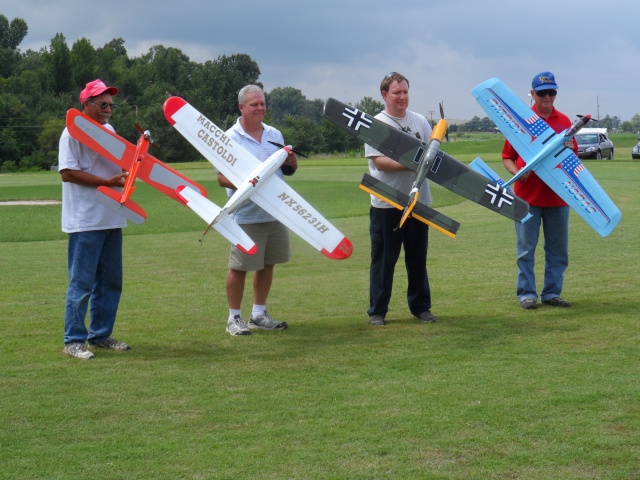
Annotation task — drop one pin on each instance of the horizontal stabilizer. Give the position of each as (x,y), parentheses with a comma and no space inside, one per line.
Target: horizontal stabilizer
(130,210)
(421,212)
(223,224)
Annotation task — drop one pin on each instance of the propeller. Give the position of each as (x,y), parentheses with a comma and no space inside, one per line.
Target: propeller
(292,149)
(146,133)
(446,135)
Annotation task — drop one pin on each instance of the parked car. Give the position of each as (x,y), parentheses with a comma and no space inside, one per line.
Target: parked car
(594,143)
(635,151)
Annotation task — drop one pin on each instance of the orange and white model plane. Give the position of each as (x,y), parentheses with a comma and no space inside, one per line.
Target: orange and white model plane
(253,180)
(134,159)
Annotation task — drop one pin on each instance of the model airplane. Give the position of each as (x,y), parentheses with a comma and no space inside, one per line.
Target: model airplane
(254,180)
(544,152)
(431,163)
(435,141)
(134,159)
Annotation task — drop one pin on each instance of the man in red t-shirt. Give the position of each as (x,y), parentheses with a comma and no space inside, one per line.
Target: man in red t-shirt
(546,208)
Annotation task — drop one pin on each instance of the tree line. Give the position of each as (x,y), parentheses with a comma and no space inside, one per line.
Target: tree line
(37,89)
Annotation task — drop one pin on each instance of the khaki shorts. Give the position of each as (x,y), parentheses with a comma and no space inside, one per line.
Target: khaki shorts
(272,240)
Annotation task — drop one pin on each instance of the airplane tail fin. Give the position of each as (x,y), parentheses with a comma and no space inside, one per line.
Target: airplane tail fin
(112,199)
(482,168)
(411,204)
(420,211)
(223,224)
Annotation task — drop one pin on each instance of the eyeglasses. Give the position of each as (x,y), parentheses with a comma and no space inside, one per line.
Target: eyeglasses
(390,74)
(104,105)
(544,93)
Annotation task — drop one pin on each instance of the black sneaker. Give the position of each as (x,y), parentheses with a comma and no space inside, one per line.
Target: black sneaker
(426,317)
(529,303)
(110,343)
(557,302)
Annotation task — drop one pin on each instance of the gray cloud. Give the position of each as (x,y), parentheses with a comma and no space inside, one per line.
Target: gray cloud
(342,49)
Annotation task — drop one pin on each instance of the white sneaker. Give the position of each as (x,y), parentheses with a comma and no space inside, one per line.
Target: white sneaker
(236,326)
(77,350)
(266,322)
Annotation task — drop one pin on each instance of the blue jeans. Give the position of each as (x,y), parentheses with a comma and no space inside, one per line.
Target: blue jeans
(95,281)
(555,224)
(385,250)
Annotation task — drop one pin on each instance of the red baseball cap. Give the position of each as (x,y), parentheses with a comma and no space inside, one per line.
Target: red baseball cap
(95,88)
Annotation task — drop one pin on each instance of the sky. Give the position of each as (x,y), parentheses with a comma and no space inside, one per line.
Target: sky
(343,48)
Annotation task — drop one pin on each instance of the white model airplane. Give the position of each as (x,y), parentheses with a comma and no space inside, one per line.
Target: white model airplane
(545,153)
(254,180)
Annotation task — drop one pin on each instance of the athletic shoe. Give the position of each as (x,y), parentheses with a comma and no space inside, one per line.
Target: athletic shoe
(77,350)
(236,326)
(110,343)
(376,320)
(557,302)
(426,317)
(528,303)
(266,322)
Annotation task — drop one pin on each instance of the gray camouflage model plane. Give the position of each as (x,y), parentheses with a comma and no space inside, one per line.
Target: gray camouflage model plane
(443,169)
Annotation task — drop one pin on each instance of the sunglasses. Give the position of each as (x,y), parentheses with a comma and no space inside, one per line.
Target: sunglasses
(544,93)
(104,105)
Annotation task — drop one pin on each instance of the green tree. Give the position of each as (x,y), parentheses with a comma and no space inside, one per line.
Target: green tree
(83,62)
(285,102)
(113,65)
(303,133)
(216,84)
(370,106)
(59,65)
(11,35)
(337,140)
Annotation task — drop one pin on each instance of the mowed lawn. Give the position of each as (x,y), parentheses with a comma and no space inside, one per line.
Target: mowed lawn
(490,391)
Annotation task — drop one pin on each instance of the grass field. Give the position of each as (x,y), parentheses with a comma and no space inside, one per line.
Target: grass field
(489,392)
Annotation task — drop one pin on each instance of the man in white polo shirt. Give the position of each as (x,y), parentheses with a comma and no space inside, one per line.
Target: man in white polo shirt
(95,234)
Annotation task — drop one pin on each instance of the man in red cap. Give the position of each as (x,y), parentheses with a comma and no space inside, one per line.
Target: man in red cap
(95,234)
(547,210)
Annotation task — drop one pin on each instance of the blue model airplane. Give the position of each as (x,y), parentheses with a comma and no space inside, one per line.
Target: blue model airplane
(544,152)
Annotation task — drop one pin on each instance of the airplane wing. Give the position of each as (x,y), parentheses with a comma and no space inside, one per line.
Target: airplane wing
(409,150)
(398,199)
(233,161)
(120,151)
(530,132)
(274,195)
(559,167)
(208,211)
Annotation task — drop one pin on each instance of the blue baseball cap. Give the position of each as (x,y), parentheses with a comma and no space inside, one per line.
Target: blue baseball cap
(544,81)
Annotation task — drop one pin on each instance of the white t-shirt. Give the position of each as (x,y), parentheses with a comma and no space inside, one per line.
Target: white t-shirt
(411,123)
(81,211)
